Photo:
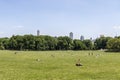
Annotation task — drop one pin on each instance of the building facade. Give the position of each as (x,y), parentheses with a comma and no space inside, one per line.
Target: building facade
(71,35)
(38,33)
(81,38)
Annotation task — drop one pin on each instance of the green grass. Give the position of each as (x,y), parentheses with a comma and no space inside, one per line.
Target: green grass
(59,65)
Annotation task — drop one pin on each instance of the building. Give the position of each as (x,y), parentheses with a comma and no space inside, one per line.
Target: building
(38,33)
(102,35)
(81,38)
(91,39)
(71,35)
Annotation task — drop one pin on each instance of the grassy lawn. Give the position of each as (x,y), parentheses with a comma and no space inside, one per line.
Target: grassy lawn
(59,65)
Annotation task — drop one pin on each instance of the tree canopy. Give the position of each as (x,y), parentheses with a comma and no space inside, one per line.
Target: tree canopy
(45,42)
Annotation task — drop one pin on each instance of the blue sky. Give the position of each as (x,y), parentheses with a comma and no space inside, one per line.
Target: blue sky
(90,18)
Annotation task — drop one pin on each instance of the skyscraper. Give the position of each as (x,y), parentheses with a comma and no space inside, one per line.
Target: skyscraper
(71,35)
(101,35)
(38,32)
(81,38)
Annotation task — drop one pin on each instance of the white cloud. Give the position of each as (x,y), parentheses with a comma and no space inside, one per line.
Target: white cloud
(19,26)
(116,27)
(2,32)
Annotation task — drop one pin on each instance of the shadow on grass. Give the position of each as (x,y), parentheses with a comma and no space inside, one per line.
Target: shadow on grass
(113,50)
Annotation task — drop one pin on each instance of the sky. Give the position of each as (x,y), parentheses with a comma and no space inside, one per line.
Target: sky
(90,18)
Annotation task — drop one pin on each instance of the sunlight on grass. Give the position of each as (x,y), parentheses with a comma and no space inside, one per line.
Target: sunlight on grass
(59,65)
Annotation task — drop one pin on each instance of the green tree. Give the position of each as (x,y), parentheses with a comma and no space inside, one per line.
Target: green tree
(29,42)
(4,43)
(12,43)
(19,42)
(78,45)
(64,43)
(88,44)
(114,44)
(39,43)
(101,43)
(50,43)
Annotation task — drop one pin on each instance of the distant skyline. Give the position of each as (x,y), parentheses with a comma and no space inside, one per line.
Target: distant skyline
(90,18)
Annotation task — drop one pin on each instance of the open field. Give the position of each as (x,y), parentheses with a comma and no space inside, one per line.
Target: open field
(59,65)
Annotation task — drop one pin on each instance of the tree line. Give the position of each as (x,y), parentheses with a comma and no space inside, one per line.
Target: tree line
(45,42)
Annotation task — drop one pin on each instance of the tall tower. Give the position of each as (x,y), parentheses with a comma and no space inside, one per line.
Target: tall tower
(38,32)
(71,35)
(81,38)
(101,35)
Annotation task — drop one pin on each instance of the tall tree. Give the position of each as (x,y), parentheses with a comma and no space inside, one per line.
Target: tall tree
(29,42)
(101,43)
(88,44)
(79,45)
(4,43)
(114,44)
(64,43)
(40,43)
(51,42)
(12,43)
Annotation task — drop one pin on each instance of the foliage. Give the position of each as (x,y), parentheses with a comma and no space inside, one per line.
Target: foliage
(101,43)
(64,43)
(114,44)
(30,42)
(4,43)
(45,42)
(79,45)
(88,44)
